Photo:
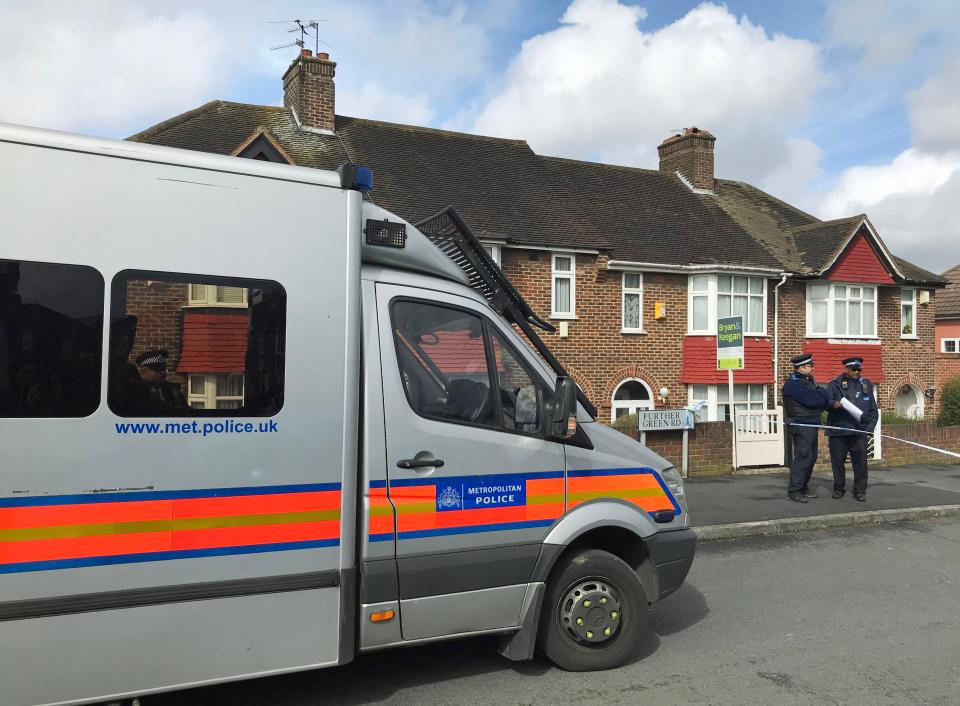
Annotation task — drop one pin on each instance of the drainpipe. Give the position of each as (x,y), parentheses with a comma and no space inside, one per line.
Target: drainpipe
(776,336)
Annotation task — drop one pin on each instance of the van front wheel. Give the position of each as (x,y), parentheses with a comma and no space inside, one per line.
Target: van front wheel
(595,612)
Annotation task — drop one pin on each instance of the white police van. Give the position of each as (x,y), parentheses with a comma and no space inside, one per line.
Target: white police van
(255,424)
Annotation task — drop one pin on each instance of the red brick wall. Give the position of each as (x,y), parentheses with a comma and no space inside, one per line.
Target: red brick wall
(904,360)
(709,451)
(895,453)
(309,89)
(595,350)
(158,308)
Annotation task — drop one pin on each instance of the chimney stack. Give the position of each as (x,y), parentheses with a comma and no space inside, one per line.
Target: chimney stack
(691,154)
(308,89)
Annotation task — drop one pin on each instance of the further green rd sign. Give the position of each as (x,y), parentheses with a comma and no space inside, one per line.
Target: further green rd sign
(730,343)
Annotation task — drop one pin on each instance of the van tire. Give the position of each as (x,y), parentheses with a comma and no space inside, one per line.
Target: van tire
(589,592)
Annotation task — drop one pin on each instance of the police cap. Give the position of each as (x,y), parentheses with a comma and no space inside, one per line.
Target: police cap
(854,362)
(155,359)
(799,360)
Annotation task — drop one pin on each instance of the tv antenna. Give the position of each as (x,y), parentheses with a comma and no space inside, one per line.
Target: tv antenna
(305,30)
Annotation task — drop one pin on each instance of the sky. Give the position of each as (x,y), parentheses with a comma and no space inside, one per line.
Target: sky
(840,108)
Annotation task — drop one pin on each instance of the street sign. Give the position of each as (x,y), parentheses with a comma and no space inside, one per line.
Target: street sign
(664,419)
(730,343)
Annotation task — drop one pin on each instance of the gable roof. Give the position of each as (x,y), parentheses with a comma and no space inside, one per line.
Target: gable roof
(507,192)
(947,302)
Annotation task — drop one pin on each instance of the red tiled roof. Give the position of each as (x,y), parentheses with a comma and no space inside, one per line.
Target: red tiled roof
(860,263)
(700,361)
(214,343)
(828,358)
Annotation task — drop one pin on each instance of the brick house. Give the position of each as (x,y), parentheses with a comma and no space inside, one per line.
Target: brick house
(632,266)
(947,325)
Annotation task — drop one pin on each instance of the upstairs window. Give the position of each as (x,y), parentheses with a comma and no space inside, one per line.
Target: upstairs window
(908,312)
(950,345)
(564,295)
(746,297)
(494,252)
(700,319)
(716,296)
(632,303)
(841,310)
(217,295)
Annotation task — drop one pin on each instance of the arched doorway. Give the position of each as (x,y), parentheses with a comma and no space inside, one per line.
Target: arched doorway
(909,402)
(629,397)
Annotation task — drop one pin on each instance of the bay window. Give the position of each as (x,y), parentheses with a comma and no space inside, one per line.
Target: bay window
(841,310)
(716,296)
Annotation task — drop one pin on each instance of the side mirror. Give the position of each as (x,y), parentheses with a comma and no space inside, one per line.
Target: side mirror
(564,418)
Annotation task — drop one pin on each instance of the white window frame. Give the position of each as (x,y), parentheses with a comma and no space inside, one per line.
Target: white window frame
(712,294)
(831,305)
(209,396)
(209,297)
(625,290)
(493,251)
(956,345)
(913,306)
(757,331)
(633,406)
(570,275)
(712,407)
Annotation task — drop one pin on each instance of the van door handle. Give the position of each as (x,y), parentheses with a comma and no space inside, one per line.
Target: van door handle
(420,461)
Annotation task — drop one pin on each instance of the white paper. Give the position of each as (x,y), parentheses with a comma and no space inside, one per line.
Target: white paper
(851,408)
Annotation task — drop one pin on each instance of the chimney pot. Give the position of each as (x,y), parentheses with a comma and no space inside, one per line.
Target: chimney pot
(308,89)
(691,154)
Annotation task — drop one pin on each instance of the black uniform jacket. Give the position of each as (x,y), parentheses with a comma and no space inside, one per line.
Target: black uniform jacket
(860,393)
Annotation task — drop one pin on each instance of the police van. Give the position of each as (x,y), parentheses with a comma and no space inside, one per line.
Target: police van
(253,423)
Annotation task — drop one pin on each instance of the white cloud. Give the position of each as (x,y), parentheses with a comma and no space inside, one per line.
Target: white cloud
(371,100)
(599,87)
(83,65)
(914,200)
(935,111)
(887,32)
(113,67)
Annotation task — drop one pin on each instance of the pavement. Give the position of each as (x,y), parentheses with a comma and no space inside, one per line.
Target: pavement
(732,507)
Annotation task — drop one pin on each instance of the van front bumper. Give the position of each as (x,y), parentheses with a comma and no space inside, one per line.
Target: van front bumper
(672,555)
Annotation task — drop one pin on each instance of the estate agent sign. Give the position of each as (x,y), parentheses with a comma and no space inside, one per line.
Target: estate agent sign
(730,343)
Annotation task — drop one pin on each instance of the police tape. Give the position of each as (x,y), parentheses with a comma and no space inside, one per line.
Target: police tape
(885,436)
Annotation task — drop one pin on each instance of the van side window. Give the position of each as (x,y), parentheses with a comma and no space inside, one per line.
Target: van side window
(195,345)
(51,334)
(455,368)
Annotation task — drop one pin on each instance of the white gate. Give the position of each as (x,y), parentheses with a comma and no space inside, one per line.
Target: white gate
(759,437)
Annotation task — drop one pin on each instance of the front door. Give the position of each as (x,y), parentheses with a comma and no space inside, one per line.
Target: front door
(473,478)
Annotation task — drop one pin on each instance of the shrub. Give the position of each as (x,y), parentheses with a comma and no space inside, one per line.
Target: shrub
(950,403)
(627,421)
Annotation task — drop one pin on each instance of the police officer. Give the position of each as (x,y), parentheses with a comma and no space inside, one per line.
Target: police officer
(803,400)
(160,394)
(858,390)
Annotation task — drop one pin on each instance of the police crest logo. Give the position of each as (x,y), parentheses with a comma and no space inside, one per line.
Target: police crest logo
(448,499)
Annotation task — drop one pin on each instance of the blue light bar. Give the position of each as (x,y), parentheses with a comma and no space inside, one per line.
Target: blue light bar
(355,177)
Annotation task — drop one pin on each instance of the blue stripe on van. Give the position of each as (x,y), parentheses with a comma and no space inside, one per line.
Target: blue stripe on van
(469,529)
(25,566)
